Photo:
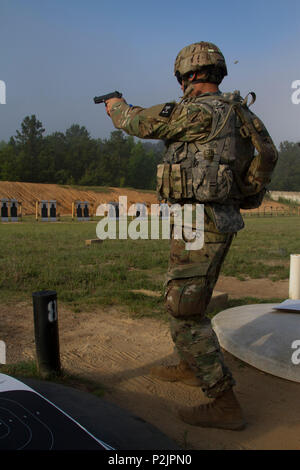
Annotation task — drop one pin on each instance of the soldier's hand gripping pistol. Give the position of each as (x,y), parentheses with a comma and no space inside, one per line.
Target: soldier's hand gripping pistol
(114,96)
(109,96)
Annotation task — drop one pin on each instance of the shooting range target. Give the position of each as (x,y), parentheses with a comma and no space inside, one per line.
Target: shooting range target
(86,211)
(113,210)
(29,421)
(14,210)
(4,210)
(52,211)
(44,211)
(9,210)
(81,210)
(141,210)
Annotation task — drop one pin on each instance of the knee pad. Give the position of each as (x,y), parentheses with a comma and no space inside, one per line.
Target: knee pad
(186,298)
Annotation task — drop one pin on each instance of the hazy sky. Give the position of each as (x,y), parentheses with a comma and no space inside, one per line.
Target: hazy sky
(57,55)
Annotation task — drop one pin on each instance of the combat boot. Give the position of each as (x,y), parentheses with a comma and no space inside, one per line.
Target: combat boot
(224,413)
(177,373)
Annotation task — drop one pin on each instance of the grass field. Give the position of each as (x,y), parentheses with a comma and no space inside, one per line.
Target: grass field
(36,256)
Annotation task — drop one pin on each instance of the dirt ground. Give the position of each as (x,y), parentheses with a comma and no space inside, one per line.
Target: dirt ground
(112,348)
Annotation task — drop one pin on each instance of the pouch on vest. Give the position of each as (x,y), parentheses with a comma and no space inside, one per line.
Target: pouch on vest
(163,181)
(176,182)
(209,181)
(212,181)
(172,182)
(227,219)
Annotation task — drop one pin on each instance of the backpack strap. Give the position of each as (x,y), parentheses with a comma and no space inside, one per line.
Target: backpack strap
(245,100)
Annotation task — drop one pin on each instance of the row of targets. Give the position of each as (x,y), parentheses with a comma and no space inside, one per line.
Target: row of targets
(114,210)
(81,210)
(10,210)
(46,211)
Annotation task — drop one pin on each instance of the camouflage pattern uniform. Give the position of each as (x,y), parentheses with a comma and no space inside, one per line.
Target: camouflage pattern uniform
(192,274)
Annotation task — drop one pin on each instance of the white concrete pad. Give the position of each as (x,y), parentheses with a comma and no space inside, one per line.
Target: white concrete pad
(264,338)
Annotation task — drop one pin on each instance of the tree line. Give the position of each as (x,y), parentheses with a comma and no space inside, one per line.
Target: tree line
(286,176)
(74,157)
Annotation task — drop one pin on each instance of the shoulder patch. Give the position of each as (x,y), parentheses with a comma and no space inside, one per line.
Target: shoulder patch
(167,110)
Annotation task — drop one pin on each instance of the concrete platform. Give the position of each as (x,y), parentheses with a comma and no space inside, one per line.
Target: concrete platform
(261,337)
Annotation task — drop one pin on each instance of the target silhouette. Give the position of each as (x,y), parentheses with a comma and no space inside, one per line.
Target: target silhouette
(28,421)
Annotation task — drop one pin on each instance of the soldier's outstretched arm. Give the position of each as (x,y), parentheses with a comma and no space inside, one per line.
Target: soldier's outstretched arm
(163,121)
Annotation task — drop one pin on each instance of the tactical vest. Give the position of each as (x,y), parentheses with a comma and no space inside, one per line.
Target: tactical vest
(232,166)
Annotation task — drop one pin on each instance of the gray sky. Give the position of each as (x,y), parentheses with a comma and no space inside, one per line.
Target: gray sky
(57,55)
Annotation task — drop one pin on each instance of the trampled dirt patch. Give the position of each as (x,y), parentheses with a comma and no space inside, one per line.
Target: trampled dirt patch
(257,288)
(110,347)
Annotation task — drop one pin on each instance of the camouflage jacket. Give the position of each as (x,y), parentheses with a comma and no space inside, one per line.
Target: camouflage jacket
(167,121)
(176,122)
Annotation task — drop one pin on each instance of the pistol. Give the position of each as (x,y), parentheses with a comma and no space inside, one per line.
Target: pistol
(103,98)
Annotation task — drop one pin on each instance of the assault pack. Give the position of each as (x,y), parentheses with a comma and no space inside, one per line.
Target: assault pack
(232,166)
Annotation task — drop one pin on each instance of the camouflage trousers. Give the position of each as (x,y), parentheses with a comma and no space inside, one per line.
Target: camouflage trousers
(191,278)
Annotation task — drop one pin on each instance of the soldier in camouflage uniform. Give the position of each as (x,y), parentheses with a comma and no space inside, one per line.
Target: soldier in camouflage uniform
(186,128)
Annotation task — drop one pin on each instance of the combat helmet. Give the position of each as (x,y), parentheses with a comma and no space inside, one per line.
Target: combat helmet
(200,57)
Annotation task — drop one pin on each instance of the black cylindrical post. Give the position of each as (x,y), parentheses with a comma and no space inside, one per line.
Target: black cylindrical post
(46,332)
